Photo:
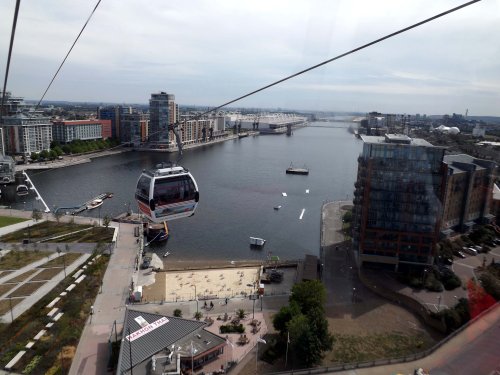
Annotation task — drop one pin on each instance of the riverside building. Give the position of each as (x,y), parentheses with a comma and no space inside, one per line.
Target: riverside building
(134,127)
(397,204)
(24,135)
(162,112)
(469,193)
(68,131)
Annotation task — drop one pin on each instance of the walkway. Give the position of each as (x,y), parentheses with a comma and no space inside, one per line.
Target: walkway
(92,353)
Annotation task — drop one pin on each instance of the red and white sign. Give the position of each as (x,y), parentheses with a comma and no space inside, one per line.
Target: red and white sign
(150,327)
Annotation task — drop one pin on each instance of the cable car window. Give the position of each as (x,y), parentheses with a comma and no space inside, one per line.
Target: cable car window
(173,189)
(142,191)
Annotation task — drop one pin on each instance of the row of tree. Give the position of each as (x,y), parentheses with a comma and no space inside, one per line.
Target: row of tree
(75,147)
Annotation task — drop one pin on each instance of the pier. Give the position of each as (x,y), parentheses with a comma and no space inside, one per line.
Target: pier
(84,206)
(38,196)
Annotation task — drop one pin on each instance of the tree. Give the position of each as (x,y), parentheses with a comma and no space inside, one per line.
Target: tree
(240,313)
(198,315)
(106,220)
(44,154)
(303,320)
(36,215)
(178,313)
(308,295)
(57,215)
(283,317)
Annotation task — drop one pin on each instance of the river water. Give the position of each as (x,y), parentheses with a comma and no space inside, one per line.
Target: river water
(240,181)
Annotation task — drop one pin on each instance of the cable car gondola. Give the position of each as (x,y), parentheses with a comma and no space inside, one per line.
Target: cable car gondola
(167,193)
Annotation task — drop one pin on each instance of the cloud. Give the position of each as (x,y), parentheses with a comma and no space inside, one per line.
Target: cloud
(203,51)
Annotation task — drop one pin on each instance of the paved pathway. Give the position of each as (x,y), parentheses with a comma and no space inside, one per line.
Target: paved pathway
(92,353)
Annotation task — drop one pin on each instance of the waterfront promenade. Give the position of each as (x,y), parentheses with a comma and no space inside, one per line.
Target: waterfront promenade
(92,353)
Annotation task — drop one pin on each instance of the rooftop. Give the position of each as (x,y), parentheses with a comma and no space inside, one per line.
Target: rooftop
(396,139)
(146,334)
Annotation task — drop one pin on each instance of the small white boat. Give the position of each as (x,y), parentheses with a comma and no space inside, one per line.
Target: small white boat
(255,241)
(284,194)
(22,190)
(307,191)
(166,254)
(94,204)
(277,207)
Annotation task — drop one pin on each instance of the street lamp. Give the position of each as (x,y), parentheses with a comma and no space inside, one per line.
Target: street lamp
(260,339)
(91,313)
(196,298)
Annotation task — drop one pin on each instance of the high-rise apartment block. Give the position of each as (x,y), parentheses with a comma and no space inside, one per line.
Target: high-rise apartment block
(162,112)
(24,135)
(397,204)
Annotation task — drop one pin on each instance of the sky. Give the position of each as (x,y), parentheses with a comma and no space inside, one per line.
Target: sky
(209,52)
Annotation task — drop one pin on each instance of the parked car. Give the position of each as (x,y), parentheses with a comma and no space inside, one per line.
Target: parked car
(459,254)
(471,251)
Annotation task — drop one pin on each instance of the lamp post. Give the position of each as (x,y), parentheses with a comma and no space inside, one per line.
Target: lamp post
(260,339)
(91,313)
(11,314)
(196,298)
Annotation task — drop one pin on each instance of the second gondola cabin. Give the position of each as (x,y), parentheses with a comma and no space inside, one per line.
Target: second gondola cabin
(167,193)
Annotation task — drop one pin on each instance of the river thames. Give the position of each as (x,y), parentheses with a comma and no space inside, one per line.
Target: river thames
(240,181)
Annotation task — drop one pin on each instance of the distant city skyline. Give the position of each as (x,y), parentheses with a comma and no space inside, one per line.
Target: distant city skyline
(206,53)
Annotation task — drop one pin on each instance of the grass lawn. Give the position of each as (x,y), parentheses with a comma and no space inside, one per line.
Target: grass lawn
(9,220)
(4,288)
(18,259)
(26,289)
(5,304)
(67,330)
(47,274)
(60,261)
(50,231)
(21,277)
(5,273)
(360,348)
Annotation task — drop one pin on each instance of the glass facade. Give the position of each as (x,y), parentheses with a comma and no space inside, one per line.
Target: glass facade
(398,200)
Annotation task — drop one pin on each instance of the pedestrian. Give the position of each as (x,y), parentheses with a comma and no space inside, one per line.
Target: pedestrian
(211,305)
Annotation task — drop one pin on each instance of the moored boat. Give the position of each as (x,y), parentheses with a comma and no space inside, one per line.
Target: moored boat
(257,242)
(22,190)
(94,204)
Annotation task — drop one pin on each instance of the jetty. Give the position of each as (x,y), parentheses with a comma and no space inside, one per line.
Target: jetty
(76,209)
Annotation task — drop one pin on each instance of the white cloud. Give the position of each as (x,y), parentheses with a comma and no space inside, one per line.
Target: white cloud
(203,51)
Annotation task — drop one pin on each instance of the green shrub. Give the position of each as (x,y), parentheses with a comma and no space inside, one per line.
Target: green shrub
(432,283)
(32,365)
(451,282)
(232,328)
